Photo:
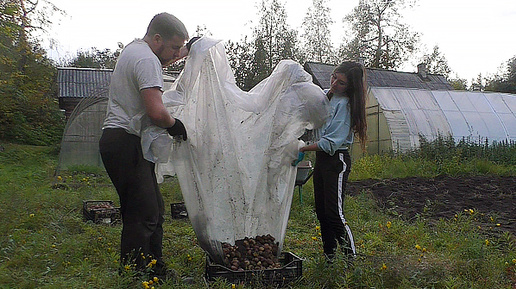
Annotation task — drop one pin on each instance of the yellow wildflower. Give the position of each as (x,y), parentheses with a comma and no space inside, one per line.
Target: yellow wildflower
(389,224)
(498,225)
(155,279)
(487,242)
(59,178)
(471,211)
(31,215)
(424,250)
(418,247)
(152,263)
(384,266)
(317,227)
(127,267)
(514,261)
(314,238)
(233,286)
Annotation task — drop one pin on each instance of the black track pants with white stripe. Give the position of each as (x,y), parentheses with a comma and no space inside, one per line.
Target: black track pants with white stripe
(329,178)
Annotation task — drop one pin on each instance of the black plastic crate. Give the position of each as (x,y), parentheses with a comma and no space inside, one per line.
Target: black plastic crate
(101,212)
(291,269)
(178,211)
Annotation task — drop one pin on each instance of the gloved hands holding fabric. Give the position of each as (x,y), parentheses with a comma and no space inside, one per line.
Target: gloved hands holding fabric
(300,157)
(178,129)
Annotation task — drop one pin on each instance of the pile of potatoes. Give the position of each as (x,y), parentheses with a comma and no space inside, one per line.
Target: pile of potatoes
(257,253)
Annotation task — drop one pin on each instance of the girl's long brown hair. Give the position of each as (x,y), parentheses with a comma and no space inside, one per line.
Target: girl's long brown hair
(356,91)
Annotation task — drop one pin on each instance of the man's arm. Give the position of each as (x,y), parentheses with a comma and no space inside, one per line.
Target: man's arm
(155,109)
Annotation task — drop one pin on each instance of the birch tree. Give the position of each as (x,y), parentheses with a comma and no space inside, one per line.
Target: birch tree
(316,35)
(378,34)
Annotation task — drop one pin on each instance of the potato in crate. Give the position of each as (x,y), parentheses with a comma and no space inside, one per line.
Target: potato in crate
(101,212)
(290,270)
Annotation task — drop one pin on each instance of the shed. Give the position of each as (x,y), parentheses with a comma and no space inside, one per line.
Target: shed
(75,84)
(83,94)
(402,106)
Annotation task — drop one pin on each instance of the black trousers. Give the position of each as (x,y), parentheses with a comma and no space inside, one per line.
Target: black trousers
(141,202)
(330,176)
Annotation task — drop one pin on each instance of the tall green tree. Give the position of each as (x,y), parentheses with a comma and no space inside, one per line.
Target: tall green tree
(316,36)
(505,80)
(95,58)
(436,62)
(458,83)
(378,34)
(478,84)
(273,41)
(28,107)
(240,57)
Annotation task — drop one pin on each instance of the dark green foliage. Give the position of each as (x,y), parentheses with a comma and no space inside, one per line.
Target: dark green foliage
(445,148)
(29,111)
(505,81)
(95,58)
(378,34)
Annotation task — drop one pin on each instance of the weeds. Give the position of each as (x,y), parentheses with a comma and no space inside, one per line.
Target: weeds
(44,243)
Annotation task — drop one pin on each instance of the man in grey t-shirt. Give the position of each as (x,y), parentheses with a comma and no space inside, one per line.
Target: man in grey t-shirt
(136,90)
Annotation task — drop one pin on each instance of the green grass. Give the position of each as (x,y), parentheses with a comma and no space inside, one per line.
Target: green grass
(44,243)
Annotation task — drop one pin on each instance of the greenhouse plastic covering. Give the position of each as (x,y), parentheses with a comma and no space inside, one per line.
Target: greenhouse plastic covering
(235,168)
(464,115)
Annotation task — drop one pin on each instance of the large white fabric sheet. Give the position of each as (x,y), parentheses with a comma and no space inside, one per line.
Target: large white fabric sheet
(235,168)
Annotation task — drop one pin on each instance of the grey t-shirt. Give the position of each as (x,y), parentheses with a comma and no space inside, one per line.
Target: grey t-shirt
(137,68)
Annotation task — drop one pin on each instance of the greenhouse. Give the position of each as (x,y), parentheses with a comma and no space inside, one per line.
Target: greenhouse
(83,95)
(402,107)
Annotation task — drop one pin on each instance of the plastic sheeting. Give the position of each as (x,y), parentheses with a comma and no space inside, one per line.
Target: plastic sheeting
(473,116)
(235,168)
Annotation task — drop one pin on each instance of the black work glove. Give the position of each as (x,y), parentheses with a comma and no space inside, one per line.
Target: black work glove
(178,129)
(192,40)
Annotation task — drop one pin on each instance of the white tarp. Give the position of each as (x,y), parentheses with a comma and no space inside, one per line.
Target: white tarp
(235,168)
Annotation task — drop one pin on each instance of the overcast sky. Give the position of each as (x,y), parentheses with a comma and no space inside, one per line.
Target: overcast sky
(476,36)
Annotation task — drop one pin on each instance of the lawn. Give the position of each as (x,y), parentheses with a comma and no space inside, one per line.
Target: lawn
(46,244)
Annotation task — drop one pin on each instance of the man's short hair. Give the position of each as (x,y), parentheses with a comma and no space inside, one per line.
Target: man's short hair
(167,25)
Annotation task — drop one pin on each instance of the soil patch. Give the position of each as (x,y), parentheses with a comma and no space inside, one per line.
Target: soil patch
(443,197)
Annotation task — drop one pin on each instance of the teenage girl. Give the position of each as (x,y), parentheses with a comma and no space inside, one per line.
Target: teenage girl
(347,95)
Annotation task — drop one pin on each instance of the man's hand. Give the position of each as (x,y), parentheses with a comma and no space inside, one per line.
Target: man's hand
(178,129)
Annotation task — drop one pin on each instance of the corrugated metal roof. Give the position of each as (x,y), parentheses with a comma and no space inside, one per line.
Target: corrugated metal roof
(87,82)
(83,82)
(381,78)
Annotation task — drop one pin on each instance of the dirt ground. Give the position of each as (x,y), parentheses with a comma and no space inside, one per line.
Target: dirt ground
(443,197)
